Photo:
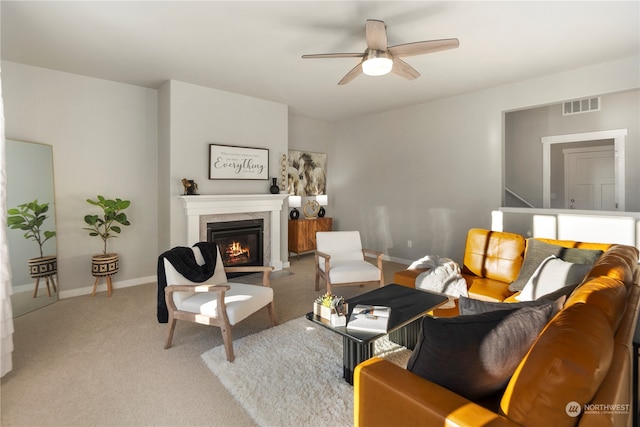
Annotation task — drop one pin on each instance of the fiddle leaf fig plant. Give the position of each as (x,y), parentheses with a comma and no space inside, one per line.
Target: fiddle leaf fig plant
(107,225)
(30,217)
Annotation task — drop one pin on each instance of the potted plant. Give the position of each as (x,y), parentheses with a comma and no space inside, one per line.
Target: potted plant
(30,217)
(106,226)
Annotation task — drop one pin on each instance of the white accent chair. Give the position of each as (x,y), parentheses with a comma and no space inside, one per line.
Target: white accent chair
(216,302)
(340,260)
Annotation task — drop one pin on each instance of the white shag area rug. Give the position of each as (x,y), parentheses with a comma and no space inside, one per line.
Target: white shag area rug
(291,374)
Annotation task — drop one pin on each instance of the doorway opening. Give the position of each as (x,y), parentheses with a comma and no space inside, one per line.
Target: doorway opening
(614,193)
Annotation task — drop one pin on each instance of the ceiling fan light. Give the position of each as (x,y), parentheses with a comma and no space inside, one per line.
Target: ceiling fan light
(377,63)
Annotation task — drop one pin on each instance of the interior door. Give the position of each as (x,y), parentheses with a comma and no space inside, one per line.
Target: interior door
(590,178)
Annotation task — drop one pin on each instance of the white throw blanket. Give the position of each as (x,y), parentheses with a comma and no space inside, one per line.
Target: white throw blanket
(443,277)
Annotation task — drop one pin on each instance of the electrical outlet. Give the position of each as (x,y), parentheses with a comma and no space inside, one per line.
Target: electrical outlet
(409,243)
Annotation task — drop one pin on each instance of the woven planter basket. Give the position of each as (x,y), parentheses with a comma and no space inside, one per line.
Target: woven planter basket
(43,267)
(104,265)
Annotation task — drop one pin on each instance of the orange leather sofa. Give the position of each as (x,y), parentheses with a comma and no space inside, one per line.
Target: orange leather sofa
(584,354)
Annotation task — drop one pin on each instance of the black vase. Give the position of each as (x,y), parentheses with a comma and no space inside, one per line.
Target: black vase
(274,186)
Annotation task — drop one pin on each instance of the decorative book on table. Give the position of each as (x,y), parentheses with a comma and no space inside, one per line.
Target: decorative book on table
(369,318)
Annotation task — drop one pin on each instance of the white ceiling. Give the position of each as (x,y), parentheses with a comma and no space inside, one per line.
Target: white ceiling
(255,48)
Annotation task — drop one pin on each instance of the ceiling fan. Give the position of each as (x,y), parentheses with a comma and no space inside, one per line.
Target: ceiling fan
(379,59)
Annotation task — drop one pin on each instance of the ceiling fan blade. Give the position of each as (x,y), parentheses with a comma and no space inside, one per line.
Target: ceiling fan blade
(405,70)
(355,72)
(420,48)
(334,55)
(376,34)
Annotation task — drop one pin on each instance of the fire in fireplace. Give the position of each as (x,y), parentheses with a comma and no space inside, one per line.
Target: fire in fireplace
(240,242)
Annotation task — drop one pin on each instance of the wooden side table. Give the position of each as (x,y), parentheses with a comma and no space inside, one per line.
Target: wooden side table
(302,233)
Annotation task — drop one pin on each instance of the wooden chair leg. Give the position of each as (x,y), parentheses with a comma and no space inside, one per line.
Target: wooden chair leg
(228,341)
(272,314)
(317,279)
(35,292)
(172,328)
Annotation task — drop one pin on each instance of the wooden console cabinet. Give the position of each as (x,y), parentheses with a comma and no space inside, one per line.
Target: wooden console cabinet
(302,233)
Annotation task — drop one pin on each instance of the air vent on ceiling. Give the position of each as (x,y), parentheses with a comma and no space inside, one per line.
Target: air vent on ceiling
(581,106)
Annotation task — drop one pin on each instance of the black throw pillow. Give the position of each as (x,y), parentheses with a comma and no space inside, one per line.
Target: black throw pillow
(476,355)
(468,306)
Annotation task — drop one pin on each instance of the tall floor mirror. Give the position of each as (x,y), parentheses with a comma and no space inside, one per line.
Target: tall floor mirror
(31,226)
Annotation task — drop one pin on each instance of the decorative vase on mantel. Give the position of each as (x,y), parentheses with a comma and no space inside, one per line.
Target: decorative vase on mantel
(274,189)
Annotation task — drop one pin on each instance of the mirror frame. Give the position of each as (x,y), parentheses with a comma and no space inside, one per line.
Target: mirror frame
(22,294)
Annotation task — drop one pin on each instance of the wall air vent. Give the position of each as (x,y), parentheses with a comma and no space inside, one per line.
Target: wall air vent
(581,106)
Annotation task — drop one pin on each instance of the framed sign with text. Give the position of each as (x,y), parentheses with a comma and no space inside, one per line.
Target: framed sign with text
(230,162)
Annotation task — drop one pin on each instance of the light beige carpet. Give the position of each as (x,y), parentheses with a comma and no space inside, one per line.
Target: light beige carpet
(291,375)
(99,361)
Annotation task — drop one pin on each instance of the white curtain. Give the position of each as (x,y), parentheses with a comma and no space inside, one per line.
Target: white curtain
(6,313)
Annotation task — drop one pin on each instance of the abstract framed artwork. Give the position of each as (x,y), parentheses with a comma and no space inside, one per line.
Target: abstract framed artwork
(232,162)
(307,174)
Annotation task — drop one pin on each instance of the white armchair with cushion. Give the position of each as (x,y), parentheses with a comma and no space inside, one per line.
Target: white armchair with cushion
(215,301)
(340,260)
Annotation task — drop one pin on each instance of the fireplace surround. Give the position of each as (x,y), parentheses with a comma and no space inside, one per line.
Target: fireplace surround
(204,209)
(240,242)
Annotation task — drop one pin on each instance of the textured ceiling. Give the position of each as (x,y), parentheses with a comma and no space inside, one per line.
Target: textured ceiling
(255,48)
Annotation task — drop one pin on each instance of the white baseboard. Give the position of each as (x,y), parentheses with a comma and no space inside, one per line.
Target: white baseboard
(396,259)
(102,286)
(29,287)
(386,257)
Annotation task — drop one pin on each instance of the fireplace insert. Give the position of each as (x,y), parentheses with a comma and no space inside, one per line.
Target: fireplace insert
(240,242)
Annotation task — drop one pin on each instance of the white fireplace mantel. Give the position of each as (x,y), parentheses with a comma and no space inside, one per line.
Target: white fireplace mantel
(203,205)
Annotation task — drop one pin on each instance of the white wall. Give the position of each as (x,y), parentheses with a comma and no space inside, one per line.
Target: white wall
(196,116)
(430,172)
(104,138)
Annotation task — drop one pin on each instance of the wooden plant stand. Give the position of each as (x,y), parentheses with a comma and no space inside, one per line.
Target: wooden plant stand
(104,266)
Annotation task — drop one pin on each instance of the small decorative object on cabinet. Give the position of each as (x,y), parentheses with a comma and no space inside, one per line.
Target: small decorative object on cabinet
(323,200)
(302,233)
(106,226)
(295,202)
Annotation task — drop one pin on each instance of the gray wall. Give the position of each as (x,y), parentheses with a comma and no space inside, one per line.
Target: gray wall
(192,117)
(104,138)
(523,149)
(430,172)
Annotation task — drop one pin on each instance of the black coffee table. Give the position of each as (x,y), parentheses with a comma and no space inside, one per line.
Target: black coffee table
(408,306)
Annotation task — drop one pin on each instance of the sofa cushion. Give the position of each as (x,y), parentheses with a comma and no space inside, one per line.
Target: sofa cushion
(567,364)
(476,355)
(487,289)
(607,294)
(470,306)
(551,275)
(619,262)
(537,251)
(493,254)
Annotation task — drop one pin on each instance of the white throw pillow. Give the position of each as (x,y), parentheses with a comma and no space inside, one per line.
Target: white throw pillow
(551,275)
